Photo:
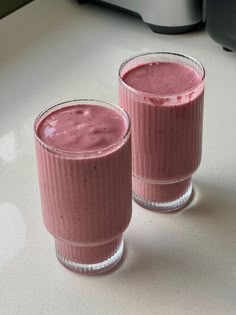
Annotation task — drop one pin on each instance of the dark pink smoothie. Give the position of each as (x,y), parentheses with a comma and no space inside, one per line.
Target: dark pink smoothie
(85,180)
(165,104)
(162,78)
(82,128)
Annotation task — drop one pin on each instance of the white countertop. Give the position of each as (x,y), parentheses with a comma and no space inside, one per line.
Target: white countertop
(55,50)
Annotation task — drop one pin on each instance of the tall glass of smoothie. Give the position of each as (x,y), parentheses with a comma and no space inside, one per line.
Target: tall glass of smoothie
(83,152)
(163,94)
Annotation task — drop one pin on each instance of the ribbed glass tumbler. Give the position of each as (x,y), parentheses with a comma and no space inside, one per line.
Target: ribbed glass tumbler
(166,127)
(86,196)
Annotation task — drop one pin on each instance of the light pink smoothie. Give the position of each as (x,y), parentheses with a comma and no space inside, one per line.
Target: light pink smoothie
(84,165)
(165,104)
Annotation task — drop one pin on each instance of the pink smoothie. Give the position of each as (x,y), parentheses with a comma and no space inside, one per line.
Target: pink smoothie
(163,78)
(165,104)
(82,128)
(85,180)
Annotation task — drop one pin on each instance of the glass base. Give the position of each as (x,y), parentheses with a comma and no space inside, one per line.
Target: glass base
(165,206)
(92,268)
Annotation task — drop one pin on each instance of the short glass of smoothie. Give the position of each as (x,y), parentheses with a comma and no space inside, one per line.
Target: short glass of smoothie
(83,150)
(163,94)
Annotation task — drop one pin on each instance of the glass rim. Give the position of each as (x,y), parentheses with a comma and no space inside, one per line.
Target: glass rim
(95,102)
(185,56)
